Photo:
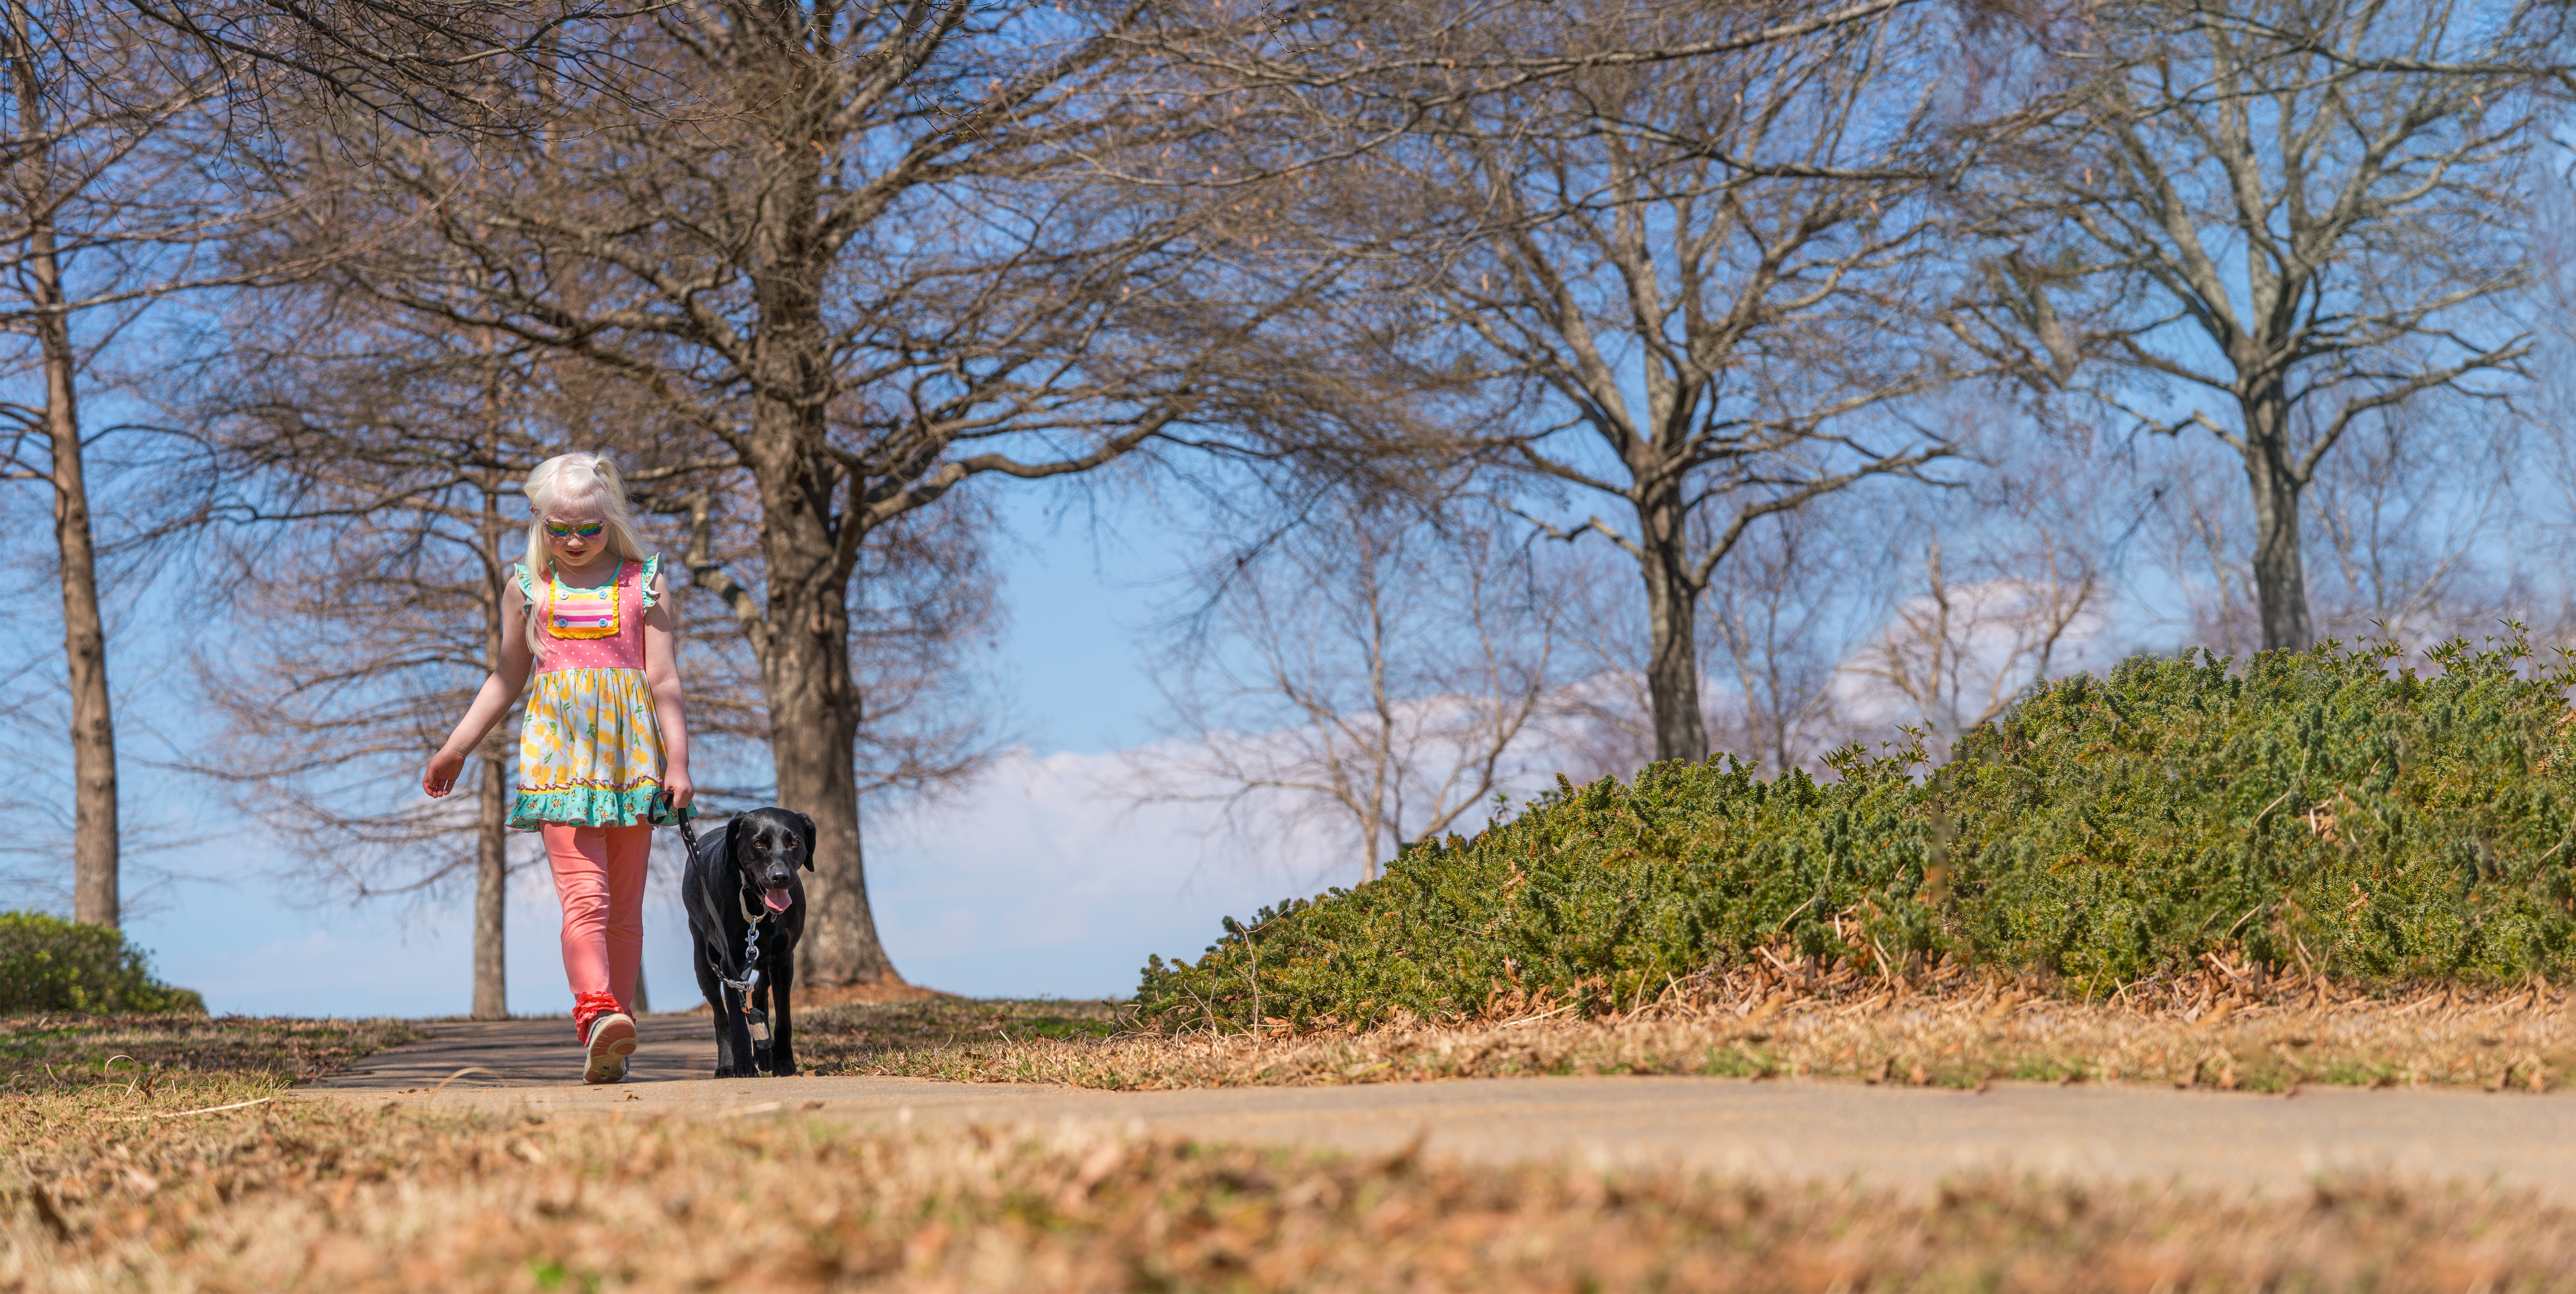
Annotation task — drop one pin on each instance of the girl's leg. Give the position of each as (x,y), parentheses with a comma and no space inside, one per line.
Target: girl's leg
(628,848)
(579,857)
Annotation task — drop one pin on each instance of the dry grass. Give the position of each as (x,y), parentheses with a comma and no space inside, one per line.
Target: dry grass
(334,1196)
(2525,1040)
(56,1052)
(852,1037)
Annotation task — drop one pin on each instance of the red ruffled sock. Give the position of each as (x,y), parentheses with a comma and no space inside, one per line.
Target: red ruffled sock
(587,1007)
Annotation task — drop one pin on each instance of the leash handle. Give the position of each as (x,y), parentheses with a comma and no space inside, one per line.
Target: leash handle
(660,807)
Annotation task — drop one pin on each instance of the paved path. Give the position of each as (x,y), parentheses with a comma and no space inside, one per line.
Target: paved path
(1900,1137)
(528,1053)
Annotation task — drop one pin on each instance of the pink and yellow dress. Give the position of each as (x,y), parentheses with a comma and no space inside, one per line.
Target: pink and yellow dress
(590,749)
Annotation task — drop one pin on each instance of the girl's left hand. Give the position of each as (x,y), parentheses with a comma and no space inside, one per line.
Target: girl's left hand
(677,789)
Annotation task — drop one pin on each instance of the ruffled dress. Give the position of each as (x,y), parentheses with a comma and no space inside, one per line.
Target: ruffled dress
(590,749)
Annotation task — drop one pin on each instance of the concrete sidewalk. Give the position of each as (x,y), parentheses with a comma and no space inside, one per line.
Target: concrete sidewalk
(535,1052)
(1905,1138)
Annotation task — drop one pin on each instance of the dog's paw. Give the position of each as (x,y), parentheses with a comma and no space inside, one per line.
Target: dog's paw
(785,1069)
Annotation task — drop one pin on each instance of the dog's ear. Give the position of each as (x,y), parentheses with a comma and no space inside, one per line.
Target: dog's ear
(805,832)
(733,837)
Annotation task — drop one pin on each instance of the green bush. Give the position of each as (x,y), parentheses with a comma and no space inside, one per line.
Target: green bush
(2316,813)
(49,964)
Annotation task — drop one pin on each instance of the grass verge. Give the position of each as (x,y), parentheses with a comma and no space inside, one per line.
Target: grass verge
(106,1189)
(868,1037)
(59,1052)
(2449,1037)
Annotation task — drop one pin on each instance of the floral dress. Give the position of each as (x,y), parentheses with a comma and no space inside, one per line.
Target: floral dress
(590,750)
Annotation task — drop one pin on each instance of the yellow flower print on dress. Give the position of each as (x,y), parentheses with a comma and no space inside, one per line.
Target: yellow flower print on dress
(590,748)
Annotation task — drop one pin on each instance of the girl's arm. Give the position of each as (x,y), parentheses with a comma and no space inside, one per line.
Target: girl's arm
(662,675)
(490,704)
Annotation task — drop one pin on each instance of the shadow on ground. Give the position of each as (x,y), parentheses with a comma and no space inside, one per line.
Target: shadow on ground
(535,1052)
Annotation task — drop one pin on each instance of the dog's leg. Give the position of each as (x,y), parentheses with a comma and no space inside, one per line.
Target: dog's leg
(782,1046)
(759,1001)
(717,996)
(733,1039)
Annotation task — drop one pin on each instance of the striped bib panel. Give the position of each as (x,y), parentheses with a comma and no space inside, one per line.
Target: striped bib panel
(583,613)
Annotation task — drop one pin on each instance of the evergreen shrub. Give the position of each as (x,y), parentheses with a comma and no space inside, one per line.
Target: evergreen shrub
(49,964)
(2317,812)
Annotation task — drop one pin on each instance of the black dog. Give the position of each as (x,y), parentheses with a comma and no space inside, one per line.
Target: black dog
(743,878)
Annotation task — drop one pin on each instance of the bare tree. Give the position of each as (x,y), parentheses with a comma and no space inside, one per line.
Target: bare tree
(2306,210)
(379,469)
(879,262)
(1383,673)
(2412,527)
(108,202)
(1688,287)
(924,604)
(2548,494)
(1786,614)
(2013,581)
(378,506)
(1959,654)
(2409,518)
(438,65)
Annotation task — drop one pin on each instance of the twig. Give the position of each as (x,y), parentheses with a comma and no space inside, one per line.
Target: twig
(181,1114)
(1529,1019)
(2267,809)
(469,1069)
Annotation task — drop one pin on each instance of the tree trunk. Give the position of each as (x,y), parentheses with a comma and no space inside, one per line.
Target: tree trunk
(492,826)
(813,737)
(491,892)
(814,703)
(2280,574)
(94,843)
(1672,608)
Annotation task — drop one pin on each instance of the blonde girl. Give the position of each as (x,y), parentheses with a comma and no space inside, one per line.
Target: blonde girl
(604,733)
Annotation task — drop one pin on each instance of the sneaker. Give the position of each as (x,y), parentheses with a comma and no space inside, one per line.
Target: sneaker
(612,1040)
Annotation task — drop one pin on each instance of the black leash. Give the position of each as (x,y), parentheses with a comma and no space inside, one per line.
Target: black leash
(750,941)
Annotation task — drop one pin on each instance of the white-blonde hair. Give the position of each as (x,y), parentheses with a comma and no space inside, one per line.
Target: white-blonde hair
(563,479)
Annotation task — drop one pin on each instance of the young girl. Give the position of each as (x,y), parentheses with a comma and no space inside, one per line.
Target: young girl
(604,731)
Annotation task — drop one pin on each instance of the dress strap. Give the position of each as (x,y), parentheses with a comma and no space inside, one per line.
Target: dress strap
(652,566)
(527,583)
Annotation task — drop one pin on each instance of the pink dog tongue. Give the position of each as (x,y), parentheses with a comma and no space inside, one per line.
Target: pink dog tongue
(777,899)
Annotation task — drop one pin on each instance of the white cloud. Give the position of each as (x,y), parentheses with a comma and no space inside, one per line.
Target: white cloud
(1040,876)
(1963,657)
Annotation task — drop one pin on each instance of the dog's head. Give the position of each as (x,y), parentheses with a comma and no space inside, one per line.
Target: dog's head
(767,846)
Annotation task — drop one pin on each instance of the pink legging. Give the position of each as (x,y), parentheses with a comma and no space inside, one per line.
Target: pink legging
(599,875)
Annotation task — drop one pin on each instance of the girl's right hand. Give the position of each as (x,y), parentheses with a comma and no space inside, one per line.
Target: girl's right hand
(440,777)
